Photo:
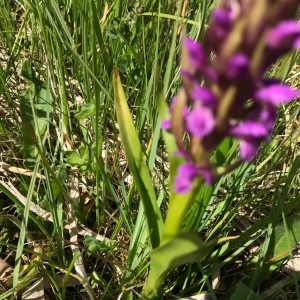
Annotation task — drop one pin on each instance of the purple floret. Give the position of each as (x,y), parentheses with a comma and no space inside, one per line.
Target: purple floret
(285,34)
(200,121)
(276,94)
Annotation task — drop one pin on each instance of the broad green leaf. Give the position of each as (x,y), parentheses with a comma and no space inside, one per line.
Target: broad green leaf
(94,245)
(286,237)
(86,111)
(80,158)
(74,158)
(185,248)
(178,208)
(242,291)
(85,153)
(36,110)
(137,163)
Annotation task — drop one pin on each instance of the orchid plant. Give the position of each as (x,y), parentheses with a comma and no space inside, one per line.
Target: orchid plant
(225,93)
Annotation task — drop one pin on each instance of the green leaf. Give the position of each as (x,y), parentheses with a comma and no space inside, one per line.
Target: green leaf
(86,111)
(221,153)
(137,163)
(85,153)
(81,158)
(96,245)
(74,158)
(185,248)
(286,237)
(36,105)
(242,291)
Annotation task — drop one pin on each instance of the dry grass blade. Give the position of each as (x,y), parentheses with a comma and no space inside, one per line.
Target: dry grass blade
(33,207)
(20,171)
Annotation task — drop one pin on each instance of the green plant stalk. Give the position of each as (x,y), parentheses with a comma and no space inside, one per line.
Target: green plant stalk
(179,206)
(117,8)
(152,286)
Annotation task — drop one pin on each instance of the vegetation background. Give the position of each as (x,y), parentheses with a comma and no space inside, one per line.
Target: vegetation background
(71,221)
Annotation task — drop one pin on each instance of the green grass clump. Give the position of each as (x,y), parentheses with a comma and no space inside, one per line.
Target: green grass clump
(70,212)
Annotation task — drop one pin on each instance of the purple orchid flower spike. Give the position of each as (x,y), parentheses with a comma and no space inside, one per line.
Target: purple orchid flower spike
(229,95)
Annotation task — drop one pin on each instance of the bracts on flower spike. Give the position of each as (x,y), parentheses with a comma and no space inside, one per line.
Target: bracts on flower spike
(229,95)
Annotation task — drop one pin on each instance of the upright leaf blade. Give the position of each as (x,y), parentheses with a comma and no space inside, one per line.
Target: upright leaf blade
(137,163)
(36,110)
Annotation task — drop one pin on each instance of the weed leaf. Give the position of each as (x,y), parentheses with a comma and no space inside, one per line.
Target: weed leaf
(36,110)
(137,163)
(185,248)
(286,237)
(86,111)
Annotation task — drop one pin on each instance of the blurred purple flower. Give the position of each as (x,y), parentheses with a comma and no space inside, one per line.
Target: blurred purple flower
(238,66)
(200,121)
(276,94)
(166,124)
(204,95)
(250,135)
(197,56)
(221,24)
(228,95)
(266,114)
(248,148)
(249,129)
(285,34)
(297,44)
(186,174)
